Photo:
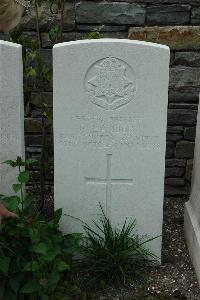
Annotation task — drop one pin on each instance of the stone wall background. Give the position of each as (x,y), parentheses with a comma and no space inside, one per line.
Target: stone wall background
(172,22)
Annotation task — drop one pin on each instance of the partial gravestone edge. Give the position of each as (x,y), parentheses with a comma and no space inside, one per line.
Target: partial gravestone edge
(192,208)
(11,112)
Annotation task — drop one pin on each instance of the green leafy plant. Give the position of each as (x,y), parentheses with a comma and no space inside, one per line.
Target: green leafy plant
(115,255)
(34,253)
(19,203)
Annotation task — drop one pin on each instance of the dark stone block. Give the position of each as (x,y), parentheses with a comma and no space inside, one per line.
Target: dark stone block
(175,181)
(190,133)
(39,98)
(174,172)
(189,96)
(183,106)
(191,59)
(33,140)
(174,129)
(184,149)
(182,117)
(170,147)
(195,18)
(174,137)
(168,14)
(89,12)
(174,162)
(182,77)
(176,190)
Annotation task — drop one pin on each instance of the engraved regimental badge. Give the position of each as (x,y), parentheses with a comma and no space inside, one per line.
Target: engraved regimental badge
(110,83)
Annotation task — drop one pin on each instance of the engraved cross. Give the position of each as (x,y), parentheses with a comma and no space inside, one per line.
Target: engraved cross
(109,182)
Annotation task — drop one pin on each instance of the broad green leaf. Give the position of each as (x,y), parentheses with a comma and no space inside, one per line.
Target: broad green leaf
(34,235)
(16,187)
(30,287)
(4,265)
(62,266)
(11,203)
(57,215)
(9,162)
(32,266)
(40,248)
(23,177)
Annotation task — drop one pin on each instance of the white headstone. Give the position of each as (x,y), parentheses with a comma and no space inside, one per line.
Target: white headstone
(192,208)
(11,111)
(110,115)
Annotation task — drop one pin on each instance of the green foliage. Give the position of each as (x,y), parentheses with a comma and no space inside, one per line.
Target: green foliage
(34,254)
(95,35)
(115,255)
(19,203)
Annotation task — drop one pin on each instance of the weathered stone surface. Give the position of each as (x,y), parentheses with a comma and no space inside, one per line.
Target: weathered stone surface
(184,77)
(184,149)
(47,19)
(110,13)
(174,137)
(183,106)
(102,28)
(168,14)
(176,190)
(176,37)
(170,147)
(38,99)
(175,162)
(189,168)
(190,58)
(33,125)
(182,117)
(190,133)
(174,172)
(175,181)
(195,17)
(33,140)
(189,96)
(174,129)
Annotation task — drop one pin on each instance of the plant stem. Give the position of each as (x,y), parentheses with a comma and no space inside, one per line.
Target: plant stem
(22,194)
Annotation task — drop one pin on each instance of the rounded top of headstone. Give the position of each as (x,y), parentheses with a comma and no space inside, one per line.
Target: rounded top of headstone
(10,44)
(110,40)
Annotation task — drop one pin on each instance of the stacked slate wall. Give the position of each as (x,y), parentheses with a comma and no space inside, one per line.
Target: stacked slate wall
(172,22)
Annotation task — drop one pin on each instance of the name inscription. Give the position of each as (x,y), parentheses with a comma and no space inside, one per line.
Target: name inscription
(111,131)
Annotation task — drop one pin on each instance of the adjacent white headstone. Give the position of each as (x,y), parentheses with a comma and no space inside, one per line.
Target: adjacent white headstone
(192,208)
(110,115)
(11,111)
